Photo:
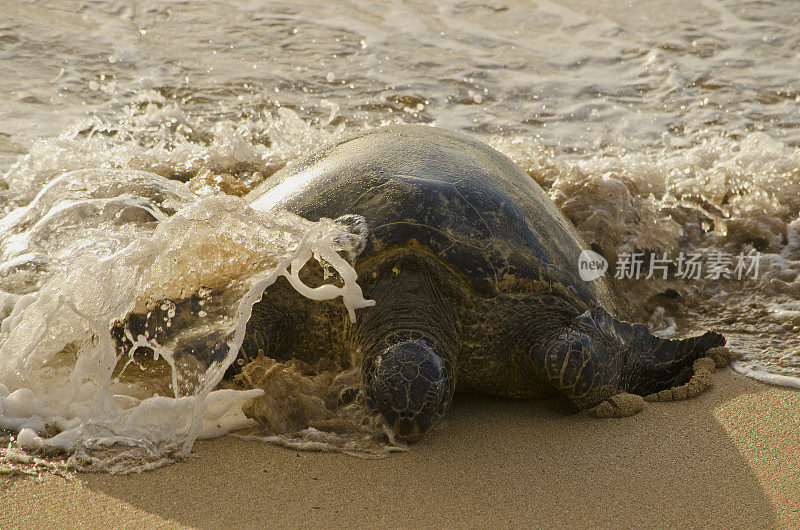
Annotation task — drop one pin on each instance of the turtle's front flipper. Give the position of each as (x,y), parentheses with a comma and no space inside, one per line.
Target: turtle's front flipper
(598,356)
(266,335)
(656,364)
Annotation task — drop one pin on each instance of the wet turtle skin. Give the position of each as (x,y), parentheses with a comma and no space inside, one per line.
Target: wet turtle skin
(475,277)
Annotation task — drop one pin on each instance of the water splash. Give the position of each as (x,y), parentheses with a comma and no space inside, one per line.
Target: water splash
(722,195)
(95,245)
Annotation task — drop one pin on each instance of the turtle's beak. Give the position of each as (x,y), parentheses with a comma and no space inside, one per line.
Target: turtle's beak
(406,428)
(412,429)
(410,385)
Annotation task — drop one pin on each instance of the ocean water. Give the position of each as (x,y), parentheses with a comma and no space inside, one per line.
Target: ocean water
(666,132)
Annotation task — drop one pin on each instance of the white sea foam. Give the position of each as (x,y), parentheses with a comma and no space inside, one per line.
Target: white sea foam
(758,372)
(721,195)
(95,245)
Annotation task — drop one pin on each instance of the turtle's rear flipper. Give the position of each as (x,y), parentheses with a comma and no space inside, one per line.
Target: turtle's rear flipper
(653,363)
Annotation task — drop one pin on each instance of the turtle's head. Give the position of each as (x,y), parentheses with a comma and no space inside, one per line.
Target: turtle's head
(410,385)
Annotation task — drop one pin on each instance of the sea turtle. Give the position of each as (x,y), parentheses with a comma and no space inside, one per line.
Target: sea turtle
(474,271)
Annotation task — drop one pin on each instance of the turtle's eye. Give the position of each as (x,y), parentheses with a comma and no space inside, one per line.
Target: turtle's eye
(410,385)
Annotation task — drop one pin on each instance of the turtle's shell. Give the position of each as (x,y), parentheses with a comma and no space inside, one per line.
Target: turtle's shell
(466,202)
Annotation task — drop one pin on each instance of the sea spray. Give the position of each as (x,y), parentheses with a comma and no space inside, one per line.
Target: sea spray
(723,196)
(108,243)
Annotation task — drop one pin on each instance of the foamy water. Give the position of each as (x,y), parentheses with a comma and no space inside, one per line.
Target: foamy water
(127,135)
(97,245)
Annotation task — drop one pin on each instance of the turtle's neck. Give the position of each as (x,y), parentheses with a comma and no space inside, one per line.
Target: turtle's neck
(411,303)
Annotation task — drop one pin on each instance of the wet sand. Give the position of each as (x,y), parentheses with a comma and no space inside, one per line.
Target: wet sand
(730,457)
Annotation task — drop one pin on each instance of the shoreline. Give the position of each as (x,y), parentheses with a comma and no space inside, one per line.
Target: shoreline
(728,457)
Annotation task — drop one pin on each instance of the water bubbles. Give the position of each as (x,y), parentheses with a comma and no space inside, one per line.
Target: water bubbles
(137,140)
(184,254)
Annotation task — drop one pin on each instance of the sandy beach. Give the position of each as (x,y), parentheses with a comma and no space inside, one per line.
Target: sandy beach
(726,458)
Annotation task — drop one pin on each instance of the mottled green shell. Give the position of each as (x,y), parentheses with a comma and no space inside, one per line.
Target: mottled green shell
(467,203)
